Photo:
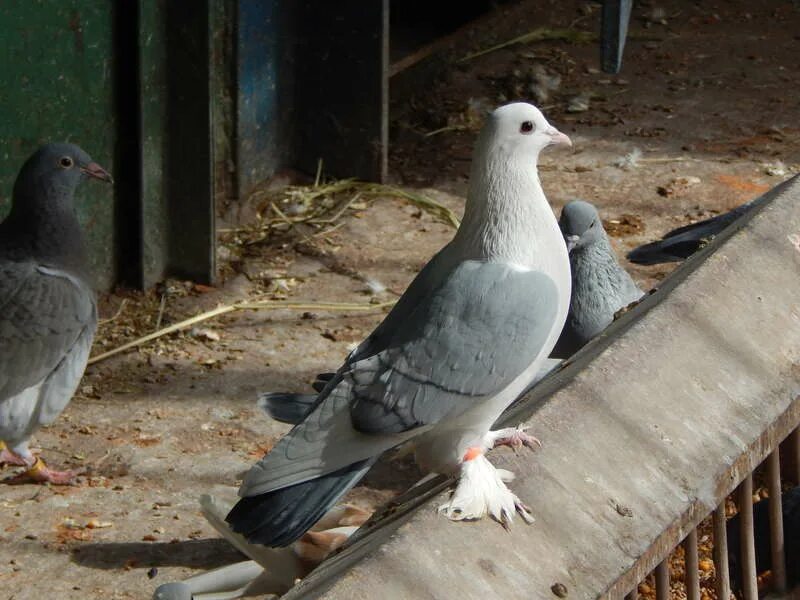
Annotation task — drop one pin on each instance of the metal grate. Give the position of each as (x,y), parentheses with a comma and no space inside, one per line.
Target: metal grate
(789,449)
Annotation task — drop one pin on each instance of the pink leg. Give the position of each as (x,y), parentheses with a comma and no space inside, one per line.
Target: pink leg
(9,458)
(41,473)
(37,471)
(513,437)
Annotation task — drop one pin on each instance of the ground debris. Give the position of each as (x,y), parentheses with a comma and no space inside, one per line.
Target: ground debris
(678,185)
(624,225)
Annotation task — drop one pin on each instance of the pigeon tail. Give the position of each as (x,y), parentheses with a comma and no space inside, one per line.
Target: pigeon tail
(286,407)
(282,516)
(482,490)
(663,251)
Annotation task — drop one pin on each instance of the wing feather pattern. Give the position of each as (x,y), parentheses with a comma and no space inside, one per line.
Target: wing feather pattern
(44,313)
(455,340)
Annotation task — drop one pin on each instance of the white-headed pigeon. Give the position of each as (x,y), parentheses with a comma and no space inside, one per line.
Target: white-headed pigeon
(462,343)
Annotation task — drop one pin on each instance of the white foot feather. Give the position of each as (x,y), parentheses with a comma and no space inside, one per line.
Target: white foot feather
(481,490)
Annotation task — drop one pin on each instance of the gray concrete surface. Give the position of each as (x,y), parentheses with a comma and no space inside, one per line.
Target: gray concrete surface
(639,442)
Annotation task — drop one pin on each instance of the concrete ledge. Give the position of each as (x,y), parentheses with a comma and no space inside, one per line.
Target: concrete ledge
(644,432)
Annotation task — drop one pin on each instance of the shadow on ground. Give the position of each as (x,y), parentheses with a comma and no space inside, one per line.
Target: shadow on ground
(196,554)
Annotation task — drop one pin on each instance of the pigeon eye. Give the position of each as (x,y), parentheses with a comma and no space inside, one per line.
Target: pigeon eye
(65,162)
(526,127)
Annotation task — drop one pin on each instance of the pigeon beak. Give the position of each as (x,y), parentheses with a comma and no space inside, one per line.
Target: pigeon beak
(97,172)
(558,139)
(572,241)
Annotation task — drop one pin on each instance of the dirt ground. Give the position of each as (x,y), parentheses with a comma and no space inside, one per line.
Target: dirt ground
(703,117)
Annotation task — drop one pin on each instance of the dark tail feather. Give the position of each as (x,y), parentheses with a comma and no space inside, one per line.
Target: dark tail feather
(663,251)
(282,516)
(286,407)
(682,242)
(322,380)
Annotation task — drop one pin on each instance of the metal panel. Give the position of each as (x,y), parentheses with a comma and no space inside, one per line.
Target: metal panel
(265,88)
(56,84)
(152,144)
(341,102)
(174,153)
(188,170)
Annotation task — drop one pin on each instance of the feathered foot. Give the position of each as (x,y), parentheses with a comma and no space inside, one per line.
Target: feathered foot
(513,437)
(41,473)
(481,489)
(9,458)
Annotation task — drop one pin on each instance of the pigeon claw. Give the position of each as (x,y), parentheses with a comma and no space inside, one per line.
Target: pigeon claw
(41,473)
(9,458)
(524,511)
(515,438)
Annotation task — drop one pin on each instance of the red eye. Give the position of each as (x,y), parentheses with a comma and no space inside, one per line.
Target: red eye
(526,127)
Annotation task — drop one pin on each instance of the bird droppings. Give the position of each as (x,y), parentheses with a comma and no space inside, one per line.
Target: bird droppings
(560,590)
(623,510)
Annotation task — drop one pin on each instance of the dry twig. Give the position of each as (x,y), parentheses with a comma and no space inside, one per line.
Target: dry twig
(244,305)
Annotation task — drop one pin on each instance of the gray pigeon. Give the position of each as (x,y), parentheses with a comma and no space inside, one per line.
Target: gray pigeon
(682,242)
(600,286)
(48,315)
(462,343)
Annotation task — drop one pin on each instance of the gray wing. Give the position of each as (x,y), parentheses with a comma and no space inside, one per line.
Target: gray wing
(463,342)
(44,313)
(469,341)
(428,279)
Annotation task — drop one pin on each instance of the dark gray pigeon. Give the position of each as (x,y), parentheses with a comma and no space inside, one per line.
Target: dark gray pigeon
(48,315)
(600,286)
(681,243)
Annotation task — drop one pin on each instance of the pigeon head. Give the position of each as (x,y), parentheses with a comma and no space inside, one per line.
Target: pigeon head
(521,130)
(581,225)
(54,171)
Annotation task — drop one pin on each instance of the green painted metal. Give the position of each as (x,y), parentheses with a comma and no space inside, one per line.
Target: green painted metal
(175,113)
(153,116)
(56,84)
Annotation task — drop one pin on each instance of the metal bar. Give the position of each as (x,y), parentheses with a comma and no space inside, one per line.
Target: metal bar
(692,577)
(723,579)
(747,551)
(662,580)
(793,458)
(633,594)
(615,17)
(776,522)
